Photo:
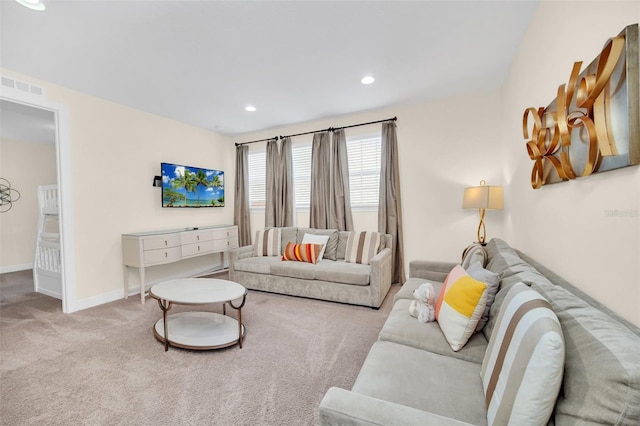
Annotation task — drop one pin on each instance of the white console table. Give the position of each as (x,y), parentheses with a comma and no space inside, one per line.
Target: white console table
(147,249)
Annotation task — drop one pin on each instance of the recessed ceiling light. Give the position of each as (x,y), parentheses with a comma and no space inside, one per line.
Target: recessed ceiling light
(250,108)
(367,79)
(32,4)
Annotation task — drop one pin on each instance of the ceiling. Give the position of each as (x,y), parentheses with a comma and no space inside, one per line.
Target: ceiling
(202,62)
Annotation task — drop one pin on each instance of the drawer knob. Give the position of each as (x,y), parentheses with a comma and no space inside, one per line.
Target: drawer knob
(198,248)
(165,254)
(198,237)
(165,243)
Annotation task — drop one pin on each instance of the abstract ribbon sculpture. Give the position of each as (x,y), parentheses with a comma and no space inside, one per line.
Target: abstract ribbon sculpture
(8,195)
(551,129)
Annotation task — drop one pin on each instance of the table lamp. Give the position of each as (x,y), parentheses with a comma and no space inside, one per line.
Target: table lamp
(483,197)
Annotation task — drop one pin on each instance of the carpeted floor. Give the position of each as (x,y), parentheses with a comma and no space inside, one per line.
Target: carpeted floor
(102,366)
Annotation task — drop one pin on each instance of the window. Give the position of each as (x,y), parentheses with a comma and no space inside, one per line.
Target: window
(301,159)
(364,174)
(364,171)
(257,179)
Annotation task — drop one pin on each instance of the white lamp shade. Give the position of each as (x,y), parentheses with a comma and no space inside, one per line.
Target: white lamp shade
(483,197)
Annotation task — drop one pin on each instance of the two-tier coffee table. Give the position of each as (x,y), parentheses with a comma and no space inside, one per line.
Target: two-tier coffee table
(199,330)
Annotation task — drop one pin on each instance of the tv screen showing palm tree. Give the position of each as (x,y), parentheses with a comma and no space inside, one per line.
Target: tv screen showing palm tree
(184,186)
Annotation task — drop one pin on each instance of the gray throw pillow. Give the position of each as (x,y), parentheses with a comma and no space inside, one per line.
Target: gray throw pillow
(492,280)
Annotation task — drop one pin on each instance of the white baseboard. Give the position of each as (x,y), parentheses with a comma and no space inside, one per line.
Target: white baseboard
(15,268)
(100,299)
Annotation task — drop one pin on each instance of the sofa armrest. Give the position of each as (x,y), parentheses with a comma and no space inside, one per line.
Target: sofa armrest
(237,254)
(346,408)
(380,280)
(430,270)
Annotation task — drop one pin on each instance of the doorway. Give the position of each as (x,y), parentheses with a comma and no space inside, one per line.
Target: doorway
(58,123)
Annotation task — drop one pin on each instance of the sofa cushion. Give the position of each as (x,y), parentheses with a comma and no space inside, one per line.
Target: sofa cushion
(492,280)
(331,248)
(412,284)
(302,270)
(341,272)
(402,328)
(362,247)
(522,369)
(601,382)
(423,380)
(268,242)
(257,265)
(309,253)
(289,235)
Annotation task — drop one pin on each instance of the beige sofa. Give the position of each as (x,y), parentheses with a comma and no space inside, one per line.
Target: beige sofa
(411,376)
(330,279)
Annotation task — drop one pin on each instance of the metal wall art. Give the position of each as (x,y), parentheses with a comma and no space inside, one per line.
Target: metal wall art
(593,125)
(8,195)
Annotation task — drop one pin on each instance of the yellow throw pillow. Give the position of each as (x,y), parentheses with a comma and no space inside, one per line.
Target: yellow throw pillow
(461,309)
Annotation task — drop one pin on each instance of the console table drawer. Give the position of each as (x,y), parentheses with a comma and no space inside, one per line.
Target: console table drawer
(197,248)
(162,242)
(225,244)
(167,255)
(225,234)
(196,236)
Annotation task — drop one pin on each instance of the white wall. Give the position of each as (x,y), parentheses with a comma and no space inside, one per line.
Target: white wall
(26,165)
(115,153)
(443,146)
(565,226)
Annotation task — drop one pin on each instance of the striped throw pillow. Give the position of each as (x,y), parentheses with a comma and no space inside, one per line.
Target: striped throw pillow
(523,365)
(268,242)
(302,252)
(361,247)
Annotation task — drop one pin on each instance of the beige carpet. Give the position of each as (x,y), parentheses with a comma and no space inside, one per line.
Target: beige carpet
(102,366)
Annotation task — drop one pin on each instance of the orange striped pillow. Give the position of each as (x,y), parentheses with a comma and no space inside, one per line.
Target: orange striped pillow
(302,252)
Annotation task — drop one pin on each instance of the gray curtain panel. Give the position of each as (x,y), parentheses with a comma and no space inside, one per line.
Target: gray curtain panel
(389,210)
(284,213)
(341,217)
(272,177)
(320,181)
(241,198)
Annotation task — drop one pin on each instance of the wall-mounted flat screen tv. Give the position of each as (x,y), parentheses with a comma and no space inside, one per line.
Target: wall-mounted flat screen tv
(184,186)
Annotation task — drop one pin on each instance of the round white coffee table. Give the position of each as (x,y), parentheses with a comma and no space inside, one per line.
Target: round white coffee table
(199,330)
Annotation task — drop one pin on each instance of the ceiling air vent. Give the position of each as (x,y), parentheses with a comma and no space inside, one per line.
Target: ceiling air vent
(22,86)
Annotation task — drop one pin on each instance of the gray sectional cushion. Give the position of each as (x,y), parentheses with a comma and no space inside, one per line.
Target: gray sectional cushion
(407,289)
(331,249)
(423,380)
(341,272)
(474,253)
(257,265)
(601,382)
(492,280)
(404,329)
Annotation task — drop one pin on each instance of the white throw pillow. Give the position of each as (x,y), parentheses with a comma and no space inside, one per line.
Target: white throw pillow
(316,239)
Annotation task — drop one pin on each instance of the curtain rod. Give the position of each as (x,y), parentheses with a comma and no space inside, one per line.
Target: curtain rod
(275,138)
(329,129)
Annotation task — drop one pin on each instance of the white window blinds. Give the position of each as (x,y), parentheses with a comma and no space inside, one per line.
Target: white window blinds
(364,174)
(257,179)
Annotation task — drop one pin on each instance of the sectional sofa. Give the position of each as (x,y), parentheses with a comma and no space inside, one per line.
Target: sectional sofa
(332,278)
(412,376)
